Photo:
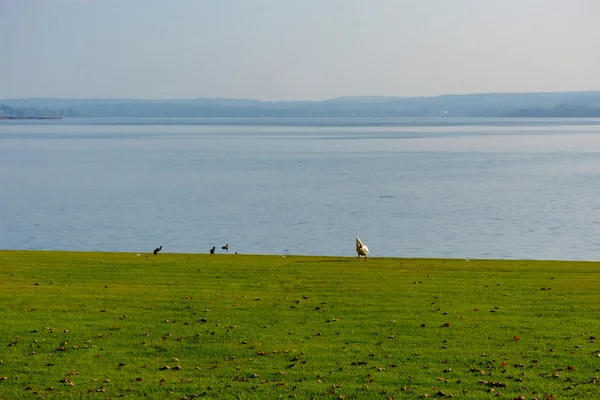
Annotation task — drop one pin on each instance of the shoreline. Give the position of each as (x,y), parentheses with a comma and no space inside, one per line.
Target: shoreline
(10,117)
(323,256)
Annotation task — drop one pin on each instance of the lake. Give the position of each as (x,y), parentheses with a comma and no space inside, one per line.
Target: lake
(457,188)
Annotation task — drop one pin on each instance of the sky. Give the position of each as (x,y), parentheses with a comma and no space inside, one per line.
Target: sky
(275,50)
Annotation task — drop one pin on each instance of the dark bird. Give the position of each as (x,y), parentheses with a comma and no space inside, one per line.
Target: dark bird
(226,247)
(157,250)
(212,251)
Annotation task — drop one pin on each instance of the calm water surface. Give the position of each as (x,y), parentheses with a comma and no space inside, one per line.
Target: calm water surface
(469,188)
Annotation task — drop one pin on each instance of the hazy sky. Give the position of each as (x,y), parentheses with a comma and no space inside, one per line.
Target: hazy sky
(296,49)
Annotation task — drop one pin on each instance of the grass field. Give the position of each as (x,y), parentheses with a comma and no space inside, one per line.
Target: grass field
(108,325)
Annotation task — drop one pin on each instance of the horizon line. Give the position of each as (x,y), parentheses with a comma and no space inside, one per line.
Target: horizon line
(294,101)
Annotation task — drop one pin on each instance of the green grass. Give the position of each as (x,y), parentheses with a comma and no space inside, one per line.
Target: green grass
(105,325)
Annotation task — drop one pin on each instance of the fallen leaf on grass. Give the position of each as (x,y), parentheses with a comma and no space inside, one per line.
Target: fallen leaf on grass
(494,383)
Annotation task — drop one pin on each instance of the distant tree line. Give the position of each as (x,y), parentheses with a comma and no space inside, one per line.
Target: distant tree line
(7,111)
(558,104)
(560,111)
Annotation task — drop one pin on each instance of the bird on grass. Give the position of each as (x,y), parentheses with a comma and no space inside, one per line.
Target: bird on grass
(226,247)
(361,249)
(157,250)
(212,251)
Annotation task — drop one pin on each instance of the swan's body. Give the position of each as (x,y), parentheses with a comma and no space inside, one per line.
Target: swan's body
(226,247)
(157,250)
(212,251)
(361,249)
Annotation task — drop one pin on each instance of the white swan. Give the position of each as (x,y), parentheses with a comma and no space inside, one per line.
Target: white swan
(361,249)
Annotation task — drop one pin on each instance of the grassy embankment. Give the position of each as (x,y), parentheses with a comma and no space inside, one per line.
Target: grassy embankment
(105,325)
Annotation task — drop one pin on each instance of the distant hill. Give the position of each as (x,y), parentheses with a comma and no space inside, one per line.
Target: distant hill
(553,104)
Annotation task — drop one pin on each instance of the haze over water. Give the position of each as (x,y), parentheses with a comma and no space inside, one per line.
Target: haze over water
(466,188)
